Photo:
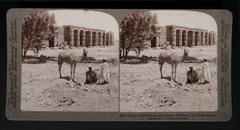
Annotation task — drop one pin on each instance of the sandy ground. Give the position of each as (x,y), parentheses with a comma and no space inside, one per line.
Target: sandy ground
(142,90)
(43,90)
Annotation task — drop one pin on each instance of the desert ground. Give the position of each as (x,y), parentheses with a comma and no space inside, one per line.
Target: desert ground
(43,90)
(142,89)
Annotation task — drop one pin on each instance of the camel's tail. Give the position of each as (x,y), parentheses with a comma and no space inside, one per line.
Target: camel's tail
(160,59)
(60,59)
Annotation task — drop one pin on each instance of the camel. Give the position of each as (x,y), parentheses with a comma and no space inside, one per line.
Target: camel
(71,58)
(172,58)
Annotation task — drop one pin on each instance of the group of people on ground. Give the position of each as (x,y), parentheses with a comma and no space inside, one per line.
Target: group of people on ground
(103,78)
(193,77)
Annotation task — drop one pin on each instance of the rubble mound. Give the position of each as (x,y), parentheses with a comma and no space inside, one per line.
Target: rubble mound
(165,101)
(153,98)
(66,101)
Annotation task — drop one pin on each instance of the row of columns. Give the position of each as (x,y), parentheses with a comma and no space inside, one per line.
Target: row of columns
(90,38)
(182,37)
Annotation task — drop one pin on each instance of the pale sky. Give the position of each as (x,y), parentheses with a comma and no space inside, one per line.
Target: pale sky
(89,19)
(100,20)
(186,18)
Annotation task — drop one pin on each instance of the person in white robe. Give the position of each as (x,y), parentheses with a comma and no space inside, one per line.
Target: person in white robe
(104,75)
(206,76)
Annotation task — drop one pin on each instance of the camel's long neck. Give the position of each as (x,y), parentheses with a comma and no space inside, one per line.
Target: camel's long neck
(183,58)
(84,56)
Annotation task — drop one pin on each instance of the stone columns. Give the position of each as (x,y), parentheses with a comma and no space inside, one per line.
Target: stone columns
(173,37)
(71,38)
(105,39)
(93,39)
(100,39)
(111,39)
(108,39)
(180,37)
(193,38)
(96,39)
(83,38)
(202,38)
(186,38)
(214,39)
(210,38)
(78,38)
(90,38)
(199,38)
(206,38)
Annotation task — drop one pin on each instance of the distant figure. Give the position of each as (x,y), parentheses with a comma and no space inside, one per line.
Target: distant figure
(137,51)
(206,72)
(35,50)
(91,76)
(104,75)
(192,76)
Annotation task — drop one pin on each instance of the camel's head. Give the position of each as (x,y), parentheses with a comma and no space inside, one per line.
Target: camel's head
(85,53)
(185,54)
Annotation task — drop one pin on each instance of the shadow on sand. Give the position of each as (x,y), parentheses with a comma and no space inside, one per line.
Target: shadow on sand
(69,79)
(168,78)
(66,78)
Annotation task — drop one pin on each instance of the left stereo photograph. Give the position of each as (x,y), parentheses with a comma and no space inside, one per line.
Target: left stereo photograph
(68,61)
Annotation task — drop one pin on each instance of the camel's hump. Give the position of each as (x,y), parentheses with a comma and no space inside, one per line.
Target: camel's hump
(168,53)
(70,53)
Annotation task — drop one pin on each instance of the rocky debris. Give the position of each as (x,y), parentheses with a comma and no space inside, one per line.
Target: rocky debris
(153,98)
(125,97)
(66,101)
(46,93)
(166,101)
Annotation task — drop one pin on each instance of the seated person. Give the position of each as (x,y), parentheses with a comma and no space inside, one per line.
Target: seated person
(192,76)
(91,76)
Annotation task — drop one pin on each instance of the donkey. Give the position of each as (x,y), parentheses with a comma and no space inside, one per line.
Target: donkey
(72,58)
(172,58)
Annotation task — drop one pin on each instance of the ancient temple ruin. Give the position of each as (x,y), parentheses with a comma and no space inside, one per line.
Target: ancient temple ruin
(183,36)
(76,36)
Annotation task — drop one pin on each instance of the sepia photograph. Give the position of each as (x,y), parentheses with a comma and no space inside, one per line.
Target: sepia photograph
(70,61)
(168,62)
(119,65)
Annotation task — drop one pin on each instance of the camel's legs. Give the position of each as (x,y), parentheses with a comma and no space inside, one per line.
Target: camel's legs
(175,72)
(161,65)
(71,66)
(172,66)
(59,69)
(74,72)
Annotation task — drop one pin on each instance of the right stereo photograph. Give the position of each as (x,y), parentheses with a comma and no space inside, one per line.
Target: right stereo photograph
(168,62)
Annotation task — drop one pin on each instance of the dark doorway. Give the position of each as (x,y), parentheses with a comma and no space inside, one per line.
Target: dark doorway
(154,42)
(51,42)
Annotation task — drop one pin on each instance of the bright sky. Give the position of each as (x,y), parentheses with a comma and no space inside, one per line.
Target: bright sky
(100,20)
(90,19)
(186,18)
